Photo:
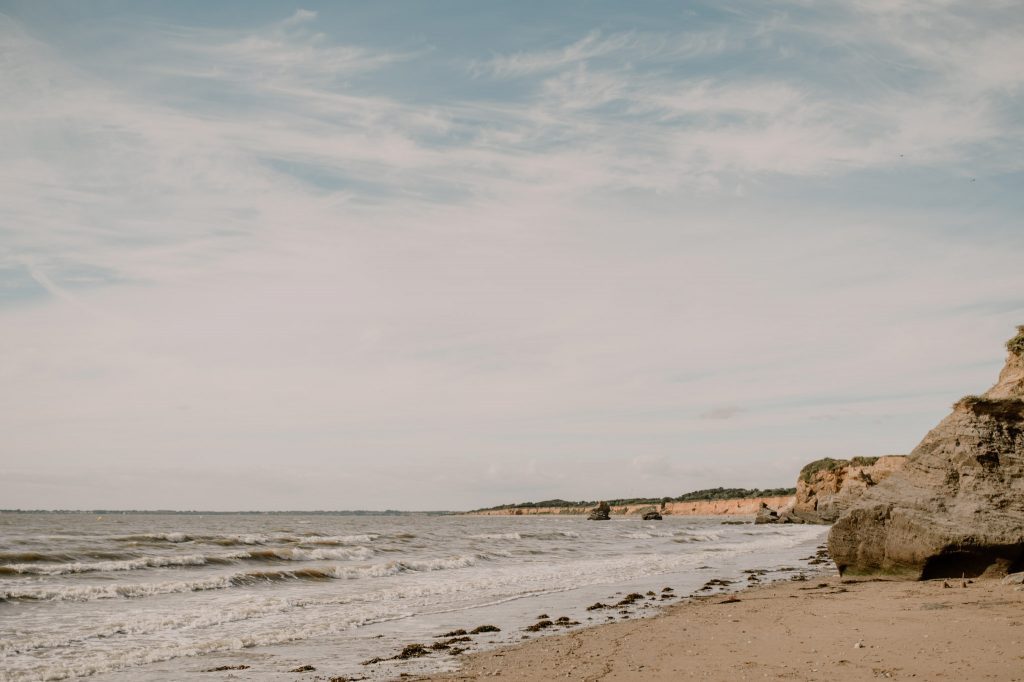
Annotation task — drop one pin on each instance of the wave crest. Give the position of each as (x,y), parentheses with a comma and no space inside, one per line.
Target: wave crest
(94,592)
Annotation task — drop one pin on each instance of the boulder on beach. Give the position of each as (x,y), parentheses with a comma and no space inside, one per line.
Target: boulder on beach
(957,506)
(602,512)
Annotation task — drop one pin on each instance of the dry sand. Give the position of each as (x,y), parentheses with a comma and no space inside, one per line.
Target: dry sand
(824,629)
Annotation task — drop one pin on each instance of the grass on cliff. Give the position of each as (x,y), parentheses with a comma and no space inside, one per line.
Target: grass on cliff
(1005,408)
(1016,344)
(825,464)
(829,464)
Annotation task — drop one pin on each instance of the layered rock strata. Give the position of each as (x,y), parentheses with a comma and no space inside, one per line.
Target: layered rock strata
(957,506)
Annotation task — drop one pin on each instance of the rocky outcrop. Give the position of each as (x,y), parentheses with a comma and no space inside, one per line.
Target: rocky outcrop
(602,512)
(652,515)
(828,487)
(766,515)
(957,506)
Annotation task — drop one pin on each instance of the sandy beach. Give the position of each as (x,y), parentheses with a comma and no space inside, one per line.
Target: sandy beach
(823,629)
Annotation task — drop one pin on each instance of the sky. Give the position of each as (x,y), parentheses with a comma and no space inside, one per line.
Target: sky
(452,254)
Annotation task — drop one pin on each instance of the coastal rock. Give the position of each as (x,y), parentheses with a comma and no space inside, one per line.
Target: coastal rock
(602,512)
(828,487)
(652,515)
(766,515)
(957,506)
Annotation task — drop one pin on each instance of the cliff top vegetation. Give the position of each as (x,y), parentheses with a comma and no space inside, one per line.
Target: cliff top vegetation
(1016,344)
(829,464)
(708,494)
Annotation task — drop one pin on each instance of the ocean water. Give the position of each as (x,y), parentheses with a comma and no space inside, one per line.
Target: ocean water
(165,597)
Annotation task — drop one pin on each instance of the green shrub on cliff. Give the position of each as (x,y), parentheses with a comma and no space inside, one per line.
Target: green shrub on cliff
(829,464)
(733,494)
(1016,344)
(825,464)
(1001,407)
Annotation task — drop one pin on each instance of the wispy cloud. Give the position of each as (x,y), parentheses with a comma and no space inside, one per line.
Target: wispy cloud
(529,63)
(240,242)
(927,85)
(290,53)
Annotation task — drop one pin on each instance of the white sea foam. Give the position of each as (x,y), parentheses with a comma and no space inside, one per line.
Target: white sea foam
(155,537)
(104,566)
(300,554)
(102,661)
(339,539)
(552,535)
(497,536)
(93,592)
(708,536)
(275,554)
(132,591)
(247,539)
(306,578)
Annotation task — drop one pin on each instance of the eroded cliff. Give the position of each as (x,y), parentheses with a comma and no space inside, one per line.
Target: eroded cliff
(828,487)
(957,506)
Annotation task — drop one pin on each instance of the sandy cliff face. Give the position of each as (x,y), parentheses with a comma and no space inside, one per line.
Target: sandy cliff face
(957,507)
(742,507)
(822,494)
(739,507)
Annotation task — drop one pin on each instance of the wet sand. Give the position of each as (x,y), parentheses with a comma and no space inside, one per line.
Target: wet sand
(822,629)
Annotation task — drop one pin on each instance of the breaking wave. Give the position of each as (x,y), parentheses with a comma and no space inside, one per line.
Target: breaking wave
(299,554)
(246,539)
(94,592)
(497,536)
(104,566)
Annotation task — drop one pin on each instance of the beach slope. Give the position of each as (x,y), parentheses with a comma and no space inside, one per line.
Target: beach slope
(823,629)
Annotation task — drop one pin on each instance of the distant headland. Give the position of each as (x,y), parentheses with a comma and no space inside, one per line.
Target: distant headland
(710,501)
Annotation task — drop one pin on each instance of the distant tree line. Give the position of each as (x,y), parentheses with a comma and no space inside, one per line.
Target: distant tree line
(708,494)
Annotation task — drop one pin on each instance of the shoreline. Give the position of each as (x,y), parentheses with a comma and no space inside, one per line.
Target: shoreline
(825,628)
(409,581)
(738,506)
(444,652)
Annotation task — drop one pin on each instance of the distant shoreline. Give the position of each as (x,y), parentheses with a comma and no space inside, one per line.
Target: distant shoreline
(687,505)
(744,506)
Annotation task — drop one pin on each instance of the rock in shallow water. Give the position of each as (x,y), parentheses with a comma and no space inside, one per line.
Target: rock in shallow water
(766,515)
(957,507)
(602,512)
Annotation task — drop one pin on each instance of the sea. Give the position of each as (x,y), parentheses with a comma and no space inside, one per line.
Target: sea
(162,597)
